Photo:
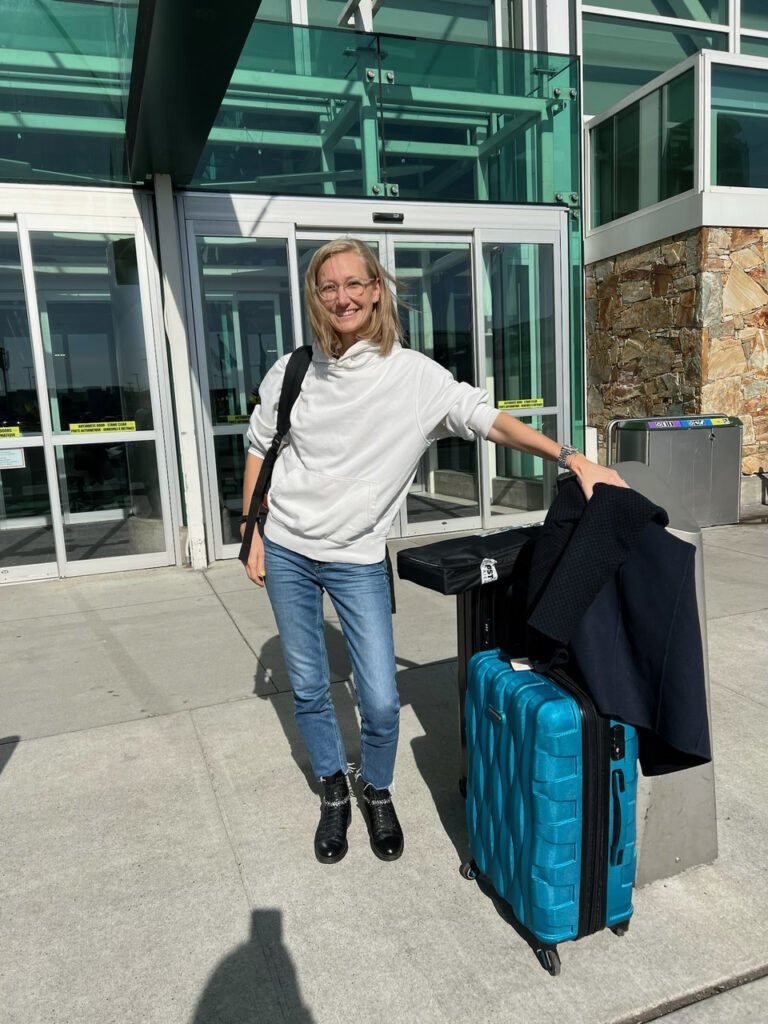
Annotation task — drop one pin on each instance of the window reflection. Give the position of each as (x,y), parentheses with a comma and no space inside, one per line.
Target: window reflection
(19,411)
(26,533)
(93,331)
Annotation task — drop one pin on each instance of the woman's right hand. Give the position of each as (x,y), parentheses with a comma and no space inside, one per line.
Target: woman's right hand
(254,567)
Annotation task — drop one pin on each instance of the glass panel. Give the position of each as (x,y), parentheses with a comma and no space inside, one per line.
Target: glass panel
(230,451)
(645,152)
(324,112)
(521,361)
(247,311)
(93,331)
(461,21)
(26,534)
(64,90)
(436,312)
(754,46)
(677,128)
(110,499)
(620,56)
(739,127)
(691,10)
(524,483)
(274,10)
(754,14)
(19,410)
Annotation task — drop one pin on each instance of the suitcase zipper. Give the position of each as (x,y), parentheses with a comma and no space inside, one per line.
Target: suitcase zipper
(596,745)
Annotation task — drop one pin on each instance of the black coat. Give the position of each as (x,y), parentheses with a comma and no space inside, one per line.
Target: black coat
(612,594)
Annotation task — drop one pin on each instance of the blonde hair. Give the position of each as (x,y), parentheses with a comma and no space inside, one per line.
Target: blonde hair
(384,327)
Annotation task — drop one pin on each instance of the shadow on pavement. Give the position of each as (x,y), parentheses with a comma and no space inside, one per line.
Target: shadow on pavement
(256,983)
(342,692)
(8,745)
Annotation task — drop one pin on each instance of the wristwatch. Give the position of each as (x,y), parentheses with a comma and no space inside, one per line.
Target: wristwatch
(566,452)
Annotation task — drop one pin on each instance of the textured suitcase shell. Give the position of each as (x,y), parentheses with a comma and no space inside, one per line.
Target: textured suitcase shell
(524,799)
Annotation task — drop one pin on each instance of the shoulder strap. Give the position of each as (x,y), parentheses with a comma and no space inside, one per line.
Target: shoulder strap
(295,371)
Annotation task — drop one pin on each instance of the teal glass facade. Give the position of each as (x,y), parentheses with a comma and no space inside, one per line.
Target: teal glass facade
(329,112)
(64,76)
(623,55)
(739,126)
(645,152)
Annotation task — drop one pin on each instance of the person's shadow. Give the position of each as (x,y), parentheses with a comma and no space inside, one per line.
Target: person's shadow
(256,983)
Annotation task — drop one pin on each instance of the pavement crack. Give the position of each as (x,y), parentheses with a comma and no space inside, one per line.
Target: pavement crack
(699,995)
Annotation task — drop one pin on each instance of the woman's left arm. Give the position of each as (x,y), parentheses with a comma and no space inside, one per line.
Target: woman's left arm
(510,432)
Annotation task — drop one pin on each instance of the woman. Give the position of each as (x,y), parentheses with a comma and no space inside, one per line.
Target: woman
(367,412)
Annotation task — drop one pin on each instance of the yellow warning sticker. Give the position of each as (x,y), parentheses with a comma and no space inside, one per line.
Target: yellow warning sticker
(10,432)
(102,428)
(238,419)
(521,403)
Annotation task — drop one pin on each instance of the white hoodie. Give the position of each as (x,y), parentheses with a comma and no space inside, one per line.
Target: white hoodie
(358,430)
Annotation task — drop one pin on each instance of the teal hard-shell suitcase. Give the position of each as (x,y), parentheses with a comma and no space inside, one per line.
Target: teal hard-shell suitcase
(551,789)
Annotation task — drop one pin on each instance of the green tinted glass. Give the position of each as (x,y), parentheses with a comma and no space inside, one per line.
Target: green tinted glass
(754,46)
(468,21)
(692,10)
(754,14)
(336,113)
(739,127)
(64,90)
(644,153)
(620,56)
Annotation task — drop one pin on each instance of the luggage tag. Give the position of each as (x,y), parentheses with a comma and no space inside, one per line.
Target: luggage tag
(520,665)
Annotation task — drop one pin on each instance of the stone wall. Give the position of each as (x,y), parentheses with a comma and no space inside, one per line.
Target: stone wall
(681,328)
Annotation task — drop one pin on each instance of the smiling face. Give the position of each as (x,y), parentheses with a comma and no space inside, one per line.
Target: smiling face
(349,316)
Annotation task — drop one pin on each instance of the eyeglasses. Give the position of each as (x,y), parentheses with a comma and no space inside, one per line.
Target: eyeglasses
(354,288)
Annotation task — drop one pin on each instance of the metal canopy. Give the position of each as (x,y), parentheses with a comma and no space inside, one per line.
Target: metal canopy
(184,56)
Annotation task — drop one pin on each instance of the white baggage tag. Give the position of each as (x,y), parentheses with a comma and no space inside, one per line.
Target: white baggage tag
(488,572)
(521,665)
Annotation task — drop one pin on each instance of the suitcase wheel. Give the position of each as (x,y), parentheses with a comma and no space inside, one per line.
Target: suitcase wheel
(621,928)
(463,786)
(549,959)
(468,869)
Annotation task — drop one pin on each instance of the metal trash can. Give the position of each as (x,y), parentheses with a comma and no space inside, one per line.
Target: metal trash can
(698,456)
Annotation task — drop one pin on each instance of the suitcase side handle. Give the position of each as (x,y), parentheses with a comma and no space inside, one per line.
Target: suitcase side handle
(617,837)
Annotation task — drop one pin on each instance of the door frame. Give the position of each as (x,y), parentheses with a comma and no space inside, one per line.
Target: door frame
(297,218)
(27,209)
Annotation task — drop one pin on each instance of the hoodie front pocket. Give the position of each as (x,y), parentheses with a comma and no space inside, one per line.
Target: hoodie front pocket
(322,507)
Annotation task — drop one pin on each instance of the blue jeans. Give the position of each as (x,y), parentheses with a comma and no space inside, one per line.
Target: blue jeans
(360,595)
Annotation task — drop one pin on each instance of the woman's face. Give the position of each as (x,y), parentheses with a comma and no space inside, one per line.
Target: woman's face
(349,315)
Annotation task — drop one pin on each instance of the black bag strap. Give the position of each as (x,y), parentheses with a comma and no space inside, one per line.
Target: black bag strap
(295,371)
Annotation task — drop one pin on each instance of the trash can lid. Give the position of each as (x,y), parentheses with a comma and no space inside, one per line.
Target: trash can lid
(642,479)
(683,423)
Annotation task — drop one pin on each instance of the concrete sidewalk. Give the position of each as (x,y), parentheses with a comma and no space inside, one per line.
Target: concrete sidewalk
(157,862)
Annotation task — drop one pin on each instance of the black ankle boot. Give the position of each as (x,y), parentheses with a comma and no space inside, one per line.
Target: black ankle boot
(335,815)
(383,826)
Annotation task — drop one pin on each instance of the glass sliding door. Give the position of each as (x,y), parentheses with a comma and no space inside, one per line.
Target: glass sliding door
(435,277)
(523,331)
(245,320)
(84,485)
(26,526)
(489,304)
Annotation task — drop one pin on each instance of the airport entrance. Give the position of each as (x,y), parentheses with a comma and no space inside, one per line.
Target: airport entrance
(484,292)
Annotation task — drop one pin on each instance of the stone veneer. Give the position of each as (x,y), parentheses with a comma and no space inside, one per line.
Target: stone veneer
(681,328)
